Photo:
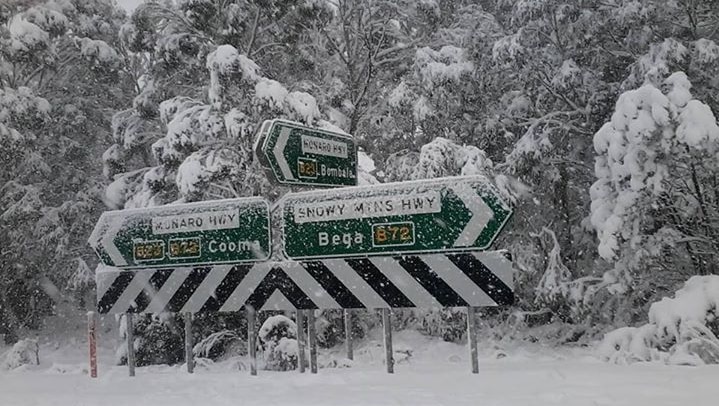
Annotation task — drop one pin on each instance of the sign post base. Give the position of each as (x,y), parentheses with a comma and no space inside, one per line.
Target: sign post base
(387,325)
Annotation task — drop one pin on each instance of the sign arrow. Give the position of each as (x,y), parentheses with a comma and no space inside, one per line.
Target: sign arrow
(481,215)
(108,241)
(279,150)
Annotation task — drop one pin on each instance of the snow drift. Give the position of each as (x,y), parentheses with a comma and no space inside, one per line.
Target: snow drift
(681,330)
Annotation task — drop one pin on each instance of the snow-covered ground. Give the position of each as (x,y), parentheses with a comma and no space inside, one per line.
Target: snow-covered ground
(436,373)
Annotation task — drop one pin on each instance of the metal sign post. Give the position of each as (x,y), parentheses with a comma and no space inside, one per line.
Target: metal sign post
(348,333)
(312,333)
(252,339)
(92,342)
(214,232)
(388,352)
(189,358)
(301,361)
(472,338)
(438,215)
(129,333)
(301,155)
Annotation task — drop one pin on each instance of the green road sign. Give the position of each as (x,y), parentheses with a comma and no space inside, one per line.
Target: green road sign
(299,155)
(212,232)
(438,215)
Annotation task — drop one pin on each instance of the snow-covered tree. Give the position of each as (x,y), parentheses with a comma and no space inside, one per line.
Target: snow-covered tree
(58,78)
(650,204)
(193,141)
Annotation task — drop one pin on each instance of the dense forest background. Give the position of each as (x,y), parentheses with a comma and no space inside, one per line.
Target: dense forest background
(593,117)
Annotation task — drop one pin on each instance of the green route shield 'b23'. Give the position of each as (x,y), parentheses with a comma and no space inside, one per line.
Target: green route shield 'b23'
(212,232)
(437,215)
(300,155)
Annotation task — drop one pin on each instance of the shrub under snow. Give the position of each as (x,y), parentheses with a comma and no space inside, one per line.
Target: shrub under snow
(24,352)
(278,336)
(681,330)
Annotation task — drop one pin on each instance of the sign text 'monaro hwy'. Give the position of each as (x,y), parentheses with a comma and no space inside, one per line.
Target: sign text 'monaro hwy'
(300,155)
(211,232)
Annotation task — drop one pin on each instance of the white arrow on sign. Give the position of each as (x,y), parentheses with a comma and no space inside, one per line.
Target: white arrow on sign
(279,151)
(481,215)
(108,240)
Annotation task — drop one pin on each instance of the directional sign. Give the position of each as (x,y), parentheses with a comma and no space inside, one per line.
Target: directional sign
(440,215)
(299,155)
(432,280)
(213,232)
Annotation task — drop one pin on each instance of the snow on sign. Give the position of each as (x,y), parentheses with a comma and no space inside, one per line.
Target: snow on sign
(433,280)
(212,232)
(438,215)
(300,155)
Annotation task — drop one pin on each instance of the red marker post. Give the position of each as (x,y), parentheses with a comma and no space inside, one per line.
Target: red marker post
(92,340)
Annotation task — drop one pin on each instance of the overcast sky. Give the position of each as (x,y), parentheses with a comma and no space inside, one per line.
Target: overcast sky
(129,5)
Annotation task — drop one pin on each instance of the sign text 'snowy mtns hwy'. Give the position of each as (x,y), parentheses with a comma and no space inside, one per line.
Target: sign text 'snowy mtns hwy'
(438,215)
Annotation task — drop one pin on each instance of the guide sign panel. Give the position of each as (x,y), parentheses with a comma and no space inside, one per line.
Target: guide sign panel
(301,155)
(211,232)
(438,215)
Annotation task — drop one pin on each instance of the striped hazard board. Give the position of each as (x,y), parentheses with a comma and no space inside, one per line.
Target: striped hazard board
(432,280)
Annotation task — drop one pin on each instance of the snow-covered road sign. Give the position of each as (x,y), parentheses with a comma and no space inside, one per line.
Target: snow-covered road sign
(212,232)
(439,215)
(432,280)
(300,155)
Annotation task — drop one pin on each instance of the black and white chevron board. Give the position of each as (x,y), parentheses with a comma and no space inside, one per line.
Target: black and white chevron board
(482,278)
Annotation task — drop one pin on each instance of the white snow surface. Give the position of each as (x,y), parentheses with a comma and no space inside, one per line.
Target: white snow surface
(679,329)
(431,372)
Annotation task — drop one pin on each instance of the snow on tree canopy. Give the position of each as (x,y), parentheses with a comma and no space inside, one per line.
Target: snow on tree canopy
(194,126)
(422,109)
(568,75)
(224,62)
(507,48)
(20,105)
(10,134)
(449,63)
(49,20)
(272,92)
(636,151)
(705,51)
(208,143)
(655,64)
(442,157)
(304,106)
(26,37)
(201,166)
(98,50)
(238,124)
